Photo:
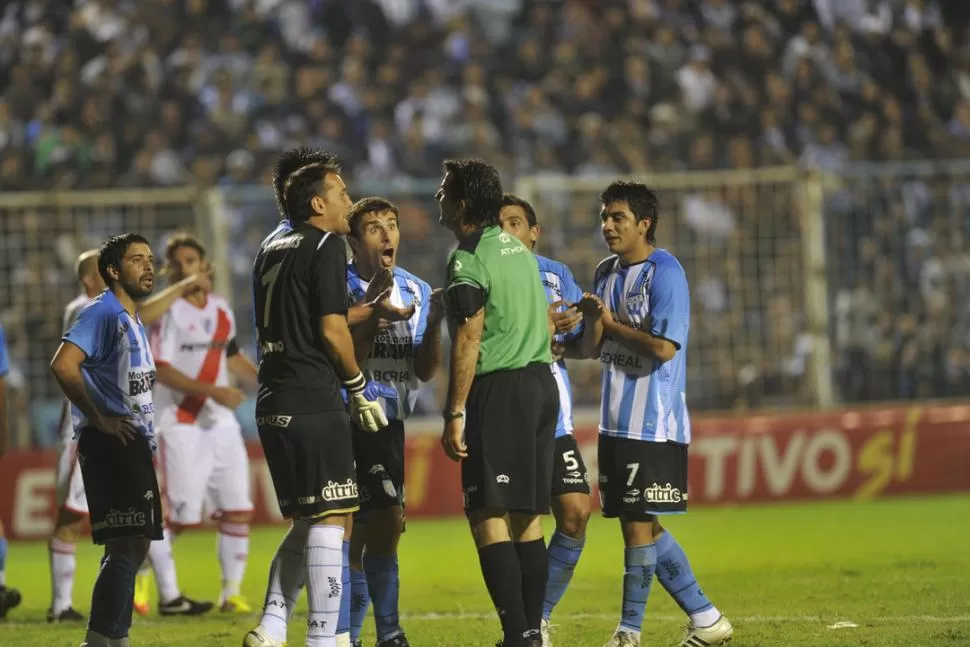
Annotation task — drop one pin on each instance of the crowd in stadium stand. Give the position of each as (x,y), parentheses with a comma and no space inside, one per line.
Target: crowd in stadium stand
(136,93)
(168,92)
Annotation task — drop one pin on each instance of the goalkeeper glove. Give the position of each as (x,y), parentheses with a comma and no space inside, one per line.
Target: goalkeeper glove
(361,397)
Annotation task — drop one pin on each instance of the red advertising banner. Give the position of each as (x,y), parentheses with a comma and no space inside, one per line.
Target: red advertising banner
(855,453)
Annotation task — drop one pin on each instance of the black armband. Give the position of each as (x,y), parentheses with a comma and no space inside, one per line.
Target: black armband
(232,348)
(463,301)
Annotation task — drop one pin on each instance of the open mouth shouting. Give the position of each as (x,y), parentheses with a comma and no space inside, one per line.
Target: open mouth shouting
(388,255)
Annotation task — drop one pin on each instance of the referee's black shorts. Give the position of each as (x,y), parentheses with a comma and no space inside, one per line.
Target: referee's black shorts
(510,427)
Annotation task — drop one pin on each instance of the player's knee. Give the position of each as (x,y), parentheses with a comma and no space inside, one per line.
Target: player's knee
(489,526)
(244,517)
(637,530)
(70,532)
(574,518)
(384,528)
(357,545)
(132,550)
(176,527)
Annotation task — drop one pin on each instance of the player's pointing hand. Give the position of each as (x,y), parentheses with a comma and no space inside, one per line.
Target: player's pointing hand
(199,281)
(380,286)
(121,427)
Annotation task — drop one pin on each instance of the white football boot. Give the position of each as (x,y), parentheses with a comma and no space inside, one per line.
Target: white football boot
(545,628)
(259,638)
(717,634)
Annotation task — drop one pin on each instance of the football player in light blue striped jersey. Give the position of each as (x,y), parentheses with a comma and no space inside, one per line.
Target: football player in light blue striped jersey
(395,320)
(637,323)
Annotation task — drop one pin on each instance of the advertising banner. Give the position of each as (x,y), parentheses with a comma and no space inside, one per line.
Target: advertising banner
(847,454)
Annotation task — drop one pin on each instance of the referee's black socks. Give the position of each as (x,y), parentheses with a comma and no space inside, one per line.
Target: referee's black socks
(534,565)
(503,579)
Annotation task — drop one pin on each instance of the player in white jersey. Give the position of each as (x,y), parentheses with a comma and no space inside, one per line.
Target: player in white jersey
(637,323)
(395,320)
(72,507)
(570,479)
(202,452)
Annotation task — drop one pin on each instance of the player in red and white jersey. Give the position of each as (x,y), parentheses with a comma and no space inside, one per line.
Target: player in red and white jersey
(203,455)
(72,505)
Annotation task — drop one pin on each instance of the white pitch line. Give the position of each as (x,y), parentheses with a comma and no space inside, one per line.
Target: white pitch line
(752,619)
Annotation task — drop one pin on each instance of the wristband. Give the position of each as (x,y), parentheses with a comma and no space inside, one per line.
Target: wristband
(356,385)
(452,415)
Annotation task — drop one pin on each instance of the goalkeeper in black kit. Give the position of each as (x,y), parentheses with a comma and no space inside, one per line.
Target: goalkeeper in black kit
(306,358)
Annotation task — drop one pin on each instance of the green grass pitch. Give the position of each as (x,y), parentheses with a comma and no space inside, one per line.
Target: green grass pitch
(897,570)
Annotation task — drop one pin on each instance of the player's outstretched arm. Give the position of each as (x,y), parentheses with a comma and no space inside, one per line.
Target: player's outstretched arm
(427,358)
(175,379)
(151,310)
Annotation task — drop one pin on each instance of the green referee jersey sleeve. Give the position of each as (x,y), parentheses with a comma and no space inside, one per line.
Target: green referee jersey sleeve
(507,275)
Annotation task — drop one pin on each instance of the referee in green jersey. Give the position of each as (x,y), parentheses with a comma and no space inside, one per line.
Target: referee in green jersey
(502,396)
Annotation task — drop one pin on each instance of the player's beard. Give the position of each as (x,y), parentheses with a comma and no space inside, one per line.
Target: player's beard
(138,290)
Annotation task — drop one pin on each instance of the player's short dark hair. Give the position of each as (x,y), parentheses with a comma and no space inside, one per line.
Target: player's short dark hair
(113,252)
(365,206)
(512,200)
(176,242)
(479,185)
(297,179)
(641,200)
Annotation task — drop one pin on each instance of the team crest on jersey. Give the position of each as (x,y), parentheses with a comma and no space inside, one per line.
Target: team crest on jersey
(639,297)
(415,297)
(207,324)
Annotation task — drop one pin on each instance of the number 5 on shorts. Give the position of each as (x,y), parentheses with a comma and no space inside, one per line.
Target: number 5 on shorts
(569,458)
(633,468)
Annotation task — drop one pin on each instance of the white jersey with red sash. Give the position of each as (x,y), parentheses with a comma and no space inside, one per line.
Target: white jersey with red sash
(193,340)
